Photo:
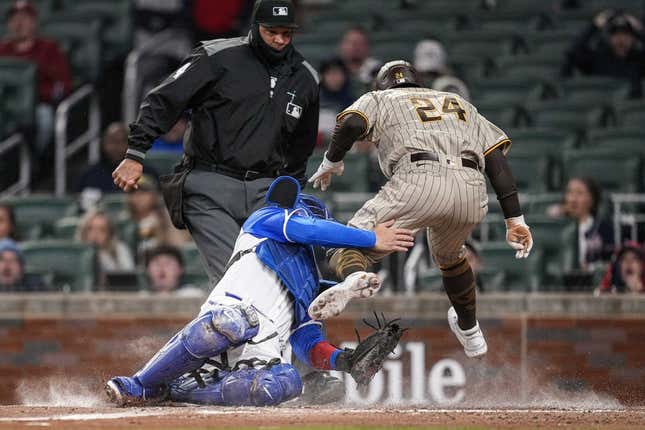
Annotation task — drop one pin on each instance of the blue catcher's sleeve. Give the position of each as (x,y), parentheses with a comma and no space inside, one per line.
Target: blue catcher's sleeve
(311,347)
(319,232)
(285,226)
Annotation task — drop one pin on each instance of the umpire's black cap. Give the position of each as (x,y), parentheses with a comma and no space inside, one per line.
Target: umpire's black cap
(275,13)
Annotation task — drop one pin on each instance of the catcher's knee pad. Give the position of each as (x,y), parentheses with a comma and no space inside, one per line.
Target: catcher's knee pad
(345,261)
(220,329)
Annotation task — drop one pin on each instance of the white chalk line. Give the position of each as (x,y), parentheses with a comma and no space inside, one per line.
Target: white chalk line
(291,411)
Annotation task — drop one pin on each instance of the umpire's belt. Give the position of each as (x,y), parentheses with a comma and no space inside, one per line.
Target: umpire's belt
(431,156)
(242,175)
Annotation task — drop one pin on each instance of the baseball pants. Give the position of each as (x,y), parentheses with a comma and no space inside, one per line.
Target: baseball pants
(215,207)
(447,199)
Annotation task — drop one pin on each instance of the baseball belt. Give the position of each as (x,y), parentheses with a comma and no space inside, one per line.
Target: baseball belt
(431,156)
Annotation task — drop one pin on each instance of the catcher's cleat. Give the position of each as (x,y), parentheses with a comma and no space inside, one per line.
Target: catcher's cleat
(472,339)
(332,302)
(126,391)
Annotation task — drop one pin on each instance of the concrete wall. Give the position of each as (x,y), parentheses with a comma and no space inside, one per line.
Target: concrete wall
(546,350)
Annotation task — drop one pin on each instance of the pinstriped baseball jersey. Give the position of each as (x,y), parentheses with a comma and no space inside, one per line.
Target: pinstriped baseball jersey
(405,120)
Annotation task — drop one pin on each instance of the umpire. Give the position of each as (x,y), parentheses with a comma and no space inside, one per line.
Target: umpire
(253,106)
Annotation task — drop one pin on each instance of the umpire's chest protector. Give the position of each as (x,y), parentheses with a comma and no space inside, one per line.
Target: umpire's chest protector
(296,267)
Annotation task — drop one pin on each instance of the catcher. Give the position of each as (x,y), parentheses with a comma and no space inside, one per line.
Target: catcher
(434,148)
(236,352)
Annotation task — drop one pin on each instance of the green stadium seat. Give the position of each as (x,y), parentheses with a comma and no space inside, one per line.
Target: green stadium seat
(531,172)
(537,204)
(594,90)
(570,116)
(469,67)
(198,279)
(523,275)
(624,139)
(81,41)
(554,237)
(483,44)
(529,67)
(550,141)
(72,264)
(126,230)
(355,177)
(117,19)
(36,214)
(631,113)
(346,204)
(162,162)
(114,204)
(65,228)
(507,90)
(18,79)
(502,114)
(634,7)
(614,171)
(393,50)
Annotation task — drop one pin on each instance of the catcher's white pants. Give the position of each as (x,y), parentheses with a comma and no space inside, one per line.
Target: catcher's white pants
(249,281)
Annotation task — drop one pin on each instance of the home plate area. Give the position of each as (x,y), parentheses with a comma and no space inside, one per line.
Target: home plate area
(191,417)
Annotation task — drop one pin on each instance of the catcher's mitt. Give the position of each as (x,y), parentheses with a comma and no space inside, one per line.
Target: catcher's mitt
(370,353)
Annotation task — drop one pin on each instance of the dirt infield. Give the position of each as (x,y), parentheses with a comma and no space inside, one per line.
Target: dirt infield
(23,417)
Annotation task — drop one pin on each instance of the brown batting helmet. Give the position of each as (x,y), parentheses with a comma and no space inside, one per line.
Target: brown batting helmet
(395,74)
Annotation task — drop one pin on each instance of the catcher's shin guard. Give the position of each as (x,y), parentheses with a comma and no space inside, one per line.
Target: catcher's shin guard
(266,386)
(206,336)
(459,283)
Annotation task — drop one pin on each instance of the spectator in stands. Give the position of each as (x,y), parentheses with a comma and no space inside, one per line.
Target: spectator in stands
(595,236)
(612,46)
(431,62)
(54,76)
(626,273)
(7,222)
(97,229)
(97,178)
(153,223)
(164,272)
(173,141)
(215,20)
(335,93)
(12,273)
(354,51)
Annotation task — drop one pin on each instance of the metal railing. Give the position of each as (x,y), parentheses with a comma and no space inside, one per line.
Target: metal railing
(66,148)
(24,177)
(627,218)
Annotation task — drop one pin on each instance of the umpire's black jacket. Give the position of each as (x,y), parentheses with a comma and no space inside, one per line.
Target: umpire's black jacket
(237,119)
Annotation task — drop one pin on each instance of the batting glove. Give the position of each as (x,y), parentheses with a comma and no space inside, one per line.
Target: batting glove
(322,177)
(518,236)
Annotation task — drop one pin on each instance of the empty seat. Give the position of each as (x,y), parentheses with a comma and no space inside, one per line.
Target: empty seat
(36,214)
(595,89)
(72,264)
(192,258)
(502,114)
(625,139)
(18,80)
(550,141)
(114,204)
(614,171)
(520,275)
(531,172)
(554,237)
(117,19)
(345,205)
(355,177)
(573,117)
(507,90)
(631,113)
(529,67)
(81,42)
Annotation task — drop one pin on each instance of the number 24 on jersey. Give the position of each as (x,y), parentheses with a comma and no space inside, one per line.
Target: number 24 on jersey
(426,109)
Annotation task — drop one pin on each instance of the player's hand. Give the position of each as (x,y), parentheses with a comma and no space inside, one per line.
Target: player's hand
(391,239)
(518,236)
(127,174)
(322,177)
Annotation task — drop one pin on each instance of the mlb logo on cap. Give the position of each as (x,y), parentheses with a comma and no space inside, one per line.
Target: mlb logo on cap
(281,11)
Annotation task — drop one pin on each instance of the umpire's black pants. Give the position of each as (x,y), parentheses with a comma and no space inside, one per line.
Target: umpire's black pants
(215,207)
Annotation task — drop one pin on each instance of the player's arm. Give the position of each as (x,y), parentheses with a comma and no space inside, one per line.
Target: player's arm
(159,111)
(501,178)
(353,124)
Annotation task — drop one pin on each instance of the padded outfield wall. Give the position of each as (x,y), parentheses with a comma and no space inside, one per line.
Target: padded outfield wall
(544,350)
